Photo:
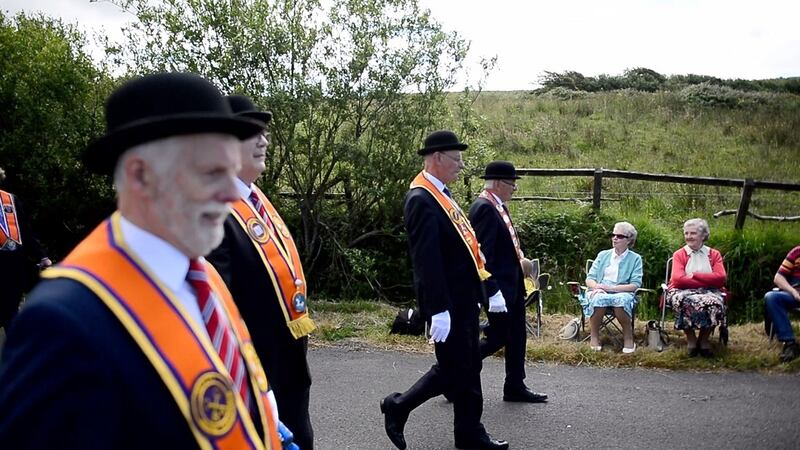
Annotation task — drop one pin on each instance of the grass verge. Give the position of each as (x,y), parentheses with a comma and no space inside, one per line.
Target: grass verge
(748,349)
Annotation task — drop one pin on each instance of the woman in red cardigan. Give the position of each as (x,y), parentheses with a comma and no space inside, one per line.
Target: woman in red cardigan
(695,287)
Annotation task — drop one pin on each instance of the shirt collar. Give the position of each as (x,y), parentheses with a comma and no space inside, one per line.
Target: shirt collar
(164,260)
(496,198)
(620,257)
(436,182)
(244,190)
(704,250)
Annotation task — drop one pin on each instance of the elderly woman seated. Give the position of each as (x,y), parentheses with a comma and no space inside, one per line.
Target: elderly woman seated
(695,288)
(612,282)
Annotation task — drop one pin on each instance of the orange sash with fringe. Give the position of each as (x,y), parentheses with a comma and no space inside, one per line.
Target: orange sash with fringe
(180,352)
(10,236)
(459,220)
(280,258)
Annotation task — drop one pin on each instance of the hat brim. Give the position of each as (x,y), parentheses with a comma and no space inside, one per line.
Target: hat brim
(499,177)
(101,155)
(261,116)
(441,148)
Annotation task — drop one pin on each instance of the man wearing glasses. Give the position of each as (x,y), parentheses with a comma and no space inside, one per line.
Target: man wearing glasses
(506,289)
(448,274)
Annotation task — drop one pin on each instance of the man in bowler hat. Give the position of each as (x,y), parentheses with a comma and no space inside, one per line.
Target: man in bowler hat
(133,340)
(500,243)
(21,255)
(258,260)
(448,270)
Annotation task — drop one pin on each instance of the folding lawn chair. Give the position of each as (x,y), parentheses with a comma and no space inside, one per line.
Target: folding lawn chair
(609,323)
(535,284)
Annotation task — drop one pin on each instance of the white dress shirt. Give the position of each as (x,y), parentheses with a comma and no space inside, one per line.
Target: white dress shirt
(167,262)
(612,271)
(244,190)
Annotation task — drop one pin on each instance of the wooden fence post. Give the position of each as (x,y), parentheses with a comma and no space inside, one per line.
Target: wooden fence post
(744,203)
(597,189)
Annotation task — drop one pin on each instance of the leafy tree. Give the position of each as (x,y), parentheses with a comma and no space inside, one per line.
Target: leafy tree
(354,86)
(50,107)
(643,79)
(568,79)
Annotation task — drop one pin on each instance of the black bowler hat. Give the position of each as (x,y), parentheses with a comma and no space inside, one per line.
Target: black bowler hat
(243,106)
(500,170)
(440,141)
(159,106)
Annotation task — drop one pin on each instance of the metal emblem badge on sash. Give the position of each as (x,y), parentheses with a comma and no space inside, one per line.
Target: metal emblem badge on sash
(254,366)
(257,231)
(212,404)
(281,229)
(299,302)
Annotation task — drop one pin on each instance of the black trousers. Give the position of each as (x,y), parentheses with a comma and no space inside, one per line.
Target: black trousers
(508,330)
(293,412)
(291,385)
(457,373)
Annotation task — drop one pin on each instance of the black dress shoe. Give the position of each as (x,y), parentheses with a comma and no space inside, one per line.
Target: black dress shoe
(394,420)
(484,443)
(693,351)
(525,396)
(706,353)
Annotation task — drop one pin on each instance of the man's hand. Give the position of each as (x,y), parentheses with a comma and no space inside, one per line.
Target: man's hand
(440,326)
(497,303)
(45,263)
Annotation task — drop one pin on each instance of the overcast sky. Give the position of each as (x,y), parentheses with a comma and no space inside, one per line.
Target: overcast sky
(728,39)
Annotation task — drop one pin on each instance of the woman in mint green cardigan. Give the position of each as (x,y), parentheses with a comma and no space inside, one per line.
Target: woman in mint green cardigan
(615,276)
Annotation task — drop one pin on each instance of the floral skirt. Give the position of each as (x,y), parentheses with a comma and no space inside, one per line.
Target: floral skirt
(618,300)
(697,308)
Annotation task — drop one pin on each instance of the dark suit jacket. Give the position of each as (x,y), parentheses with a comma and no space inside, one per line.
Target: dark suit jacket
(282,356)
(19,267)
(71,377)
(445,277)
(501,256)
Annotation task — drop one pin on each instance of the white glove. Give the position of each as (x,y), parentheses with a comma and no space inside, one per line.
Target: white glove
(273,406)
(497,303)
(440,326)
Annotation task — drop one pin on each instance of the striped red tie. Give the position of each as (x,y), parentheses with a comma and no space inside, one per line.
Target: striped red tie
(218,330)
(262,211)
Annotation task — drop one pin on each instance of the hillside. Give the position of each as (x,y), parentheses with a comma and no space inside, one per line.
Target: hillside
(662,132)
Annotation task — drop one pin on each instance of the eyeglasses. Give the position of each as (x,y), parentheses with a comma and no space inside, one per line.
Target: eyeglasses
(619,236)
(509,183)
(459,160)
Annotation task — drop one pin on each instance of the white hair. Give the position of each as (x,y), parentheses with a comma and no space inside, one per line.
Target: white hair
(161,154)
(489,184)
(701,225)
(628,230)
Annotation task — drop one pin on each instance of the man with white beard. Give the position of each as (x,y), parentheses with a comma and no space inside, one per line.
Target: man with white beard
(133,341)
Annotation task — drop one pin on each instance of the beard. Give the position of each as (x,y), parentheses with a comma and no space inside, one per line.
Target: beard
(195,228)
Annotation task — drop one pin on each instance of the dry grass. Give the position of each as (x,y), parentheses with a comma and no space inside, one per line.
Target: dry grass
(367,323)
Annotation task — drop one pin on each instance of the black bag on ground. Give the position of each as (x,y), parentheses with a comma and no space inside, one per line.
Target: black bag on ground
(408,321)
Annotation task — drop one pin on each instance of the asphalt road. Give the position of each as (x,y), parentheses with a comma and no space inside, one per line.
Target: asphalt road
(588,408)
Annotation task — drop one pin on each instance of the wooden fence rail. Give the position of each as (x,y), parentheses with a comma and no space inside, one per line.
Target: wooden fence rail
(748,185)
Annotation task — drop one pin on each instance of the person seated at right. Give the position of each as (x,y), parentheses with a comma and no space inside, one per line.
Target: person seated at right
(612,282)
(695,288)
(778,303)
